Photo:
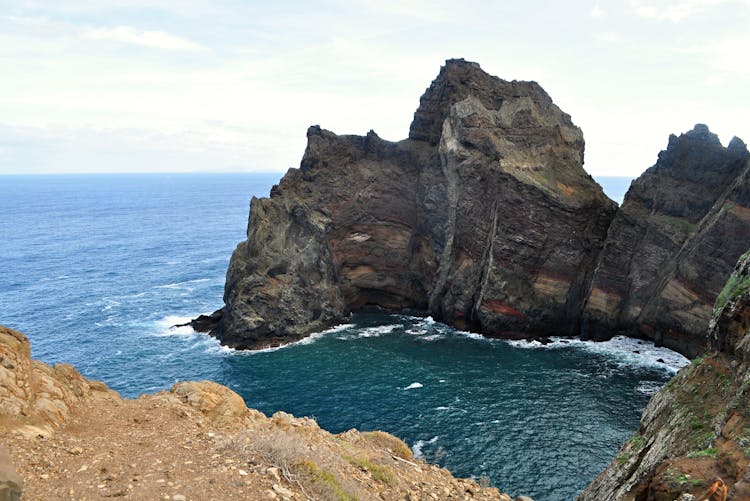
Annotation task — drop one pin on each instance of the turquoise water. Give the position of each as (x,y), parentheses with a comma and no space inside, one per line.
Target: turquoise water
(97,268)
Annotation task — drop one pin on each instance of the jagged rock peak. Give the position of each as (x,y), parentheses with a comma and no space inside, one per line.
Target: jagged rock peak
(699,139)
(683,224)
(459,79)
(737,144)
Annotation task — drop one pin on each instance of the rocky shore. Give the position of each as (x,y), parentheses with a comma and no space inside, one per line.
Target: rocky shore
(65,437)
(697,428)
(485,219)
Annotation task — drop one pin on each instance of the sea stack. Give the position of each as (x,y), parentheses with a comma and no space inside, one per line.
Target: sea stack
(483,217)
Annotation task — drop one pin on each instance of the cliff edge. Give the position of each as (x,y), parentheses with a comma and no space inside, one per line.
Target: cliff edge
(65,437)
(697,428)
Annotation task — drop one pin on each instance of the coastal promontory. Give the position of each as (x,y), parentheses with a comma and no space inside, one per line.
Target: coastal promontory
(485,219)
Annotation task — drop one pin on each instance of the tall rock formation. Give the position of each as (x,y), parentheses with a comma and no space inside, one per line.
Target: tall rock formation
(673,244)
(484,217)
(696,428)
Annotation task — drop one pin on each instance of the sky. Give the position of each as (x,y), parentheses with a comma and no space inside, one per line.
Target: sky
(232,86)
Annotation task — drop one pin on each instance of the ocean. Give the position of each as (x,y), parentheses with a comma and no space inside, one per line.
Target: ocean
(98,268)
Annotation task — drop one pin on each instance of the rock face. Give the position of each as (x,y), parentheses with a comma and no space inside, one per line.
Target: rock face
(696,428)
(484,217)
(673,244)
(35,397)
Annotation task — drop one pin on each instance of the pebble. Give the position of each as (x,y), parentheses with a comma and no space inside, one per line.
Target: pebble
(179,497)
(242,473)
(283,491)
(269,494)
(275,473)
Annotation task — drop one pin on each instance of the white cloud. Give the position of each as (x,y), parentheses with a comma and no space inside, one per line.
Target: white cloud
(727,55)
(675,10)
(130,35)
(608,37)
(597,11)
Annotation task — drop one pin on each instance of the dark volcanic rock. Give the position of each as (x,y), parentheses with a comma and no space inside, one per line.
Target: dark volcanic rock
(697,427)
(484,217)
(673,244)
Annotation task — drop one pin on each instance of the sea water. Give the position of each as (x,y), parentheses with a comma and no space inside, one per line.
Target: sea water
(97,269)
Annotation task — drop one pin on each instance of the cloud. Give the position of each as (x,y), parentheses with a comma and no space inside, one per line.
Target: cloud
(608,37)
(130,35)
(675,10)
(597,11)
(731,53)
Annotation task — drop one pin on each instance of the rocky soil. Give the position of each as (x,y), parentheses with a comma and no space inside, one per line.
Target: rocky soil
(74,439)
(697,428)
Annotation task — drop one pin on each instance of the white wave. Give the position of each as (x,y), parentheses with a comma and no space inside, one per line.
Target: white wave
(378,331)
(648,387)
(442,408)
(623,350)
(226,350)
(638,352)
(166,326)
(304,341)
(413,386)
(419,444)
(473,335)
(178,285)
(338,328)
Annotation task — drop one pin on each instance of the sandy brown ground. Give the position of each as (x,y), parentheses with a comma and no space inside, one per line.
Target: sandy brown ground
(75,439)
(157,447)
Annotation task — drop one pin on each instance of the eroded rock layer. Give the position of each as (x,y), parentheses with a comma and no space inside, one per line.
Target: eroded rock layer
(673,244)
(697,428)
(484,217)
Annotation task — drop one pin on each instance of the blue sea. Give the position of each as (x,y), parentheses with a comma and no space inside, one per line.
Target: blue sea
(96,269)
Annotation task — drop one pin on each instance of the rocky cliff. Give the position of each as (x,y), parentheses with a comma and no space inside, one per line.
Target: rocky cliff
(64,437)
(697,428)
(673,243)
(484,217)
